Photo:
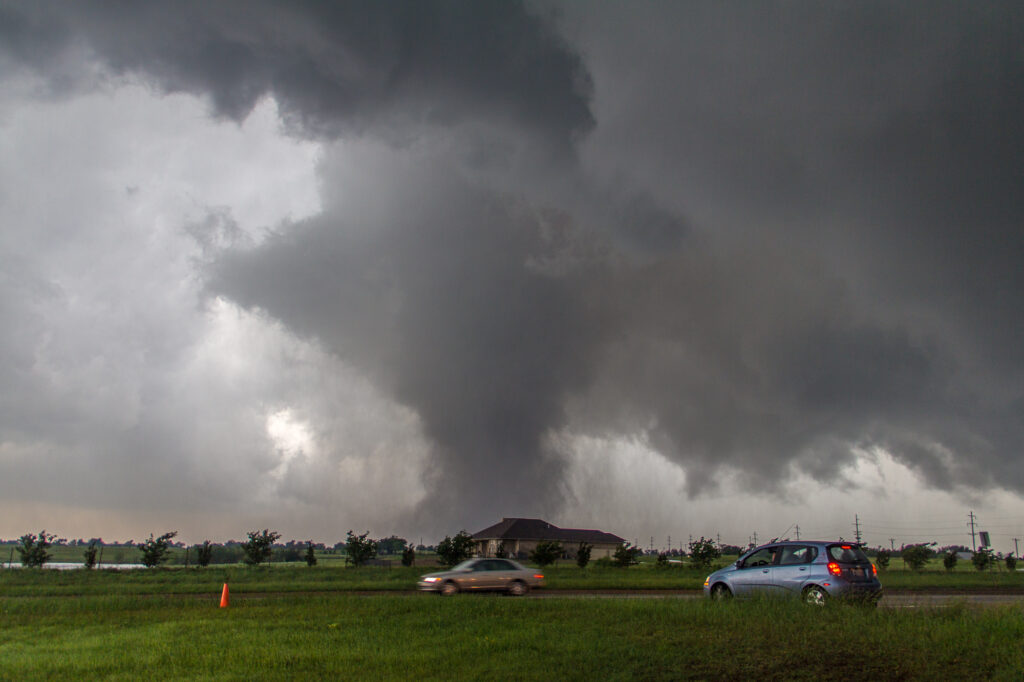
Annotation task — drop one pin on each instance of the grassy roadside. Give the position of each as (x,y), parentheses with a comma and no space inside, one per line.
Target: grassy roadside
(335,578)
(481,637)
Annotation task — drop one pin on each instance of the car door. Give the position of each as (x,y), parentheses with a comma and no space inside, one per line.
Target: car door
(754,575)
(793,568)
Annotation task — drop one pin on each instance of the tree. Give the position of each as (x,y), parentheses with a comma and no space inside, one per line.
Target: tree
(32,549)
(359,549)
(154,550)
(583,554)
(90,556)
(662,560)
(627,555)
(310,555)
(1011,562)
(457,549)
(408,555)
(983,558)
(260,546)
(703,553)
(204,553)
(546,552)
(916,556)
(949,559)
(391,545)
(882,558)
(502,551)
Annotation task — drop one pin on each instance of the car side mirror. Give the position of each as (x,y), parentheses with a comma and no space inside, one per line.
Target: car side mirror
(739,564)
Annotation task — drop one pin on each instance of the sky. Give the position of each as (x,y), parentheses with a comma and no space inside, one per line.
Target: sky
(667,270)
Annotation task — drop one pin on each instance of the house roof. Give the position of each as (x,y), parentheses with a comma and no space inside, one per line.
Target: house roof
(538,529)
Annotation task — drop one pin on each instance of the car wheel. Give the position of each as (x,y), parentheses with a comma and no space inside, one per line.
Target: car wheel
(449,588)
(815,596)
(518,588)
(720,592)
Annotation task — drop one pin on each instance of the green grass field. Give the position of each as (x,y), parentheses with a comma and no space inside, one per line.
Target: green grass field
(335,577)
(493,637)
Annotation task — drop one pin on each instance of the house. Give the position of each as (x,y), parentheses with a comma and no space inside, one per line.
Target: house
(518,537)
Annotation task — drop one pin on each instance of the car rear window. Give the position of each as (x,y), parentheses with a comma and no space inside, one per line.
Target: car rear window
(847,554)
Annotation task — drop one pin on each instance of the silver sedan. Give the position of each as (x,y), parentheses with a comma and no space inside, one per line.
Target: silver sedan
(479,575)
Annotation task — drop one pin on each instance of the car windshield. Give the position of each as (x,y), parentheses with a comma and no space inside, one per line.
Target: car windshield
(847,554)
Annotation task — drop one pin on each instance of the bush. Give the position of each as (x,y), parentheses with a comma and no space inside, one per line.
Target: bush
(154,550)
(90,556)
(260,546)
(882,558)
(546,552)
(583,554)
(32,549)
(627,555)
(310,555)
(408,555)
(359,549)
(451,551)
(204,553)
(949,560)
(1011,562)
(916,556)
(983,559)
(703,553)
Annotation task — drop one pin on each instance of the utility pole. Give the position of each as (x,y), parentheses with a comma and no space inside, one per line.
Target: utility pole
(798,531)
(755,538)
(669,543)
(892,544)
(974,547)
(1016,550)
(652,544)
(718,539)
(856,527)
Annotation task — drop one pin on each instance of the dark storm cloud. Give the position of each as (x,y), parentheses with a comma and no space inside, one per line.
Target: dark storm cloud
(332,67)
(794,229)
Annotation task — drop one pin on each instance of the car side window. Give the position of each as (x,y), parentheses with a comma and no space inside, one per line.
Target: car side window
(797,555)
(762,557)
(500,565)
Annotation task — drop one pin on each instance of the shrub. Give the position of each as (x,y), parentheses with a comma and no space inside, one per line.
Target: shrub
(882,558)
(457,549)
(1011,562)
(310,555)
(703,553)
(204,553)
(90,556)
(260,546)
(949,560)
(502,551)
(154,550)
(32,549)
(359,549)
(546,552)
(916,556)
(408,555)
(983,559)
(627,555)
(583,554)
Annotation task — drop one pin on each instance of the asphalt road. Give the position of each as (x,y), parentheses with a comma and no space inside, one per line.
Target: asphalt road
(897,600)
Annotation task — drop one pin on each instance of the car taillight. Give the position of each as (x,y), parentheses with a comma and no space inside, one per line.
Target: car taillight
(538,576)
(834,569)
(874,569)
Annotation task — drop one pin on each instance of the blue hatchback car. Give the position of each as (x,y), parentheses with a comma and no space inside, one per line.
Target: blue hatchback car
(812,571)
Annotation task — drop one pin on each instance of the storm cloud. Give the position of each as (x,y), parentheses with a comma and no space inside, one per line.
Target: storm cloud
(760,238)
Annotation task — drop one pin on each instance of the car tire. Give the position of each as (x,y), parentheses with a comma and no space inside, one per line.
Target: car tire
(517,588)
(815,596)
(720,592)
(448,589)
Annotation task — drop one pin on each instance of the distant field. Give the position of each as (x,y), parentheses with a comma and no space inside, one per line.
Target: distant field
(493,637)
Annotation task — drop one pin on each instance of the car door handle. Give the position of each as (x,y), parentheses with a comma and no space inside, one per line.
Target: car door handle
(764,570)
(803,568)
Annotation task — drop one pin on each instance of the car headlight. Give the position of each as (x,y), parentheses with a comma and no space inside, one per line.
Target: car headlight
(707,580)
(430,580)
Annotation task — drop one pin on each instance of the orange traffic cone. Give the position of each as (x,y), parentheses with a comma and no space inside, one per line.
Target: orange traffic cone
(224,597)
